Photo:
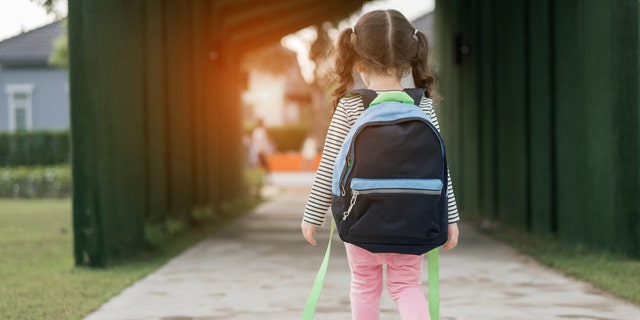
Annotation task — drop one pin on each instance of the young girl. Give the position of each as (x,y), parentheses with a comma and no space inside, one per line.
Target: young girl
(382,47)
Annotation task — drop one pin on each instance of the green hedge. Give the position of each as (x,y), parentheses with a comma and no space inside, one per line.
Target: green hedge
(35,182)
(34,148)
(288,138)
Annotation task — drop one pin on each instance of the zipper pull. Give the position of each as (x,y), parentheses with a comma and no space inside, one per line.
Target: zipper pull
(345,173)
(354,196)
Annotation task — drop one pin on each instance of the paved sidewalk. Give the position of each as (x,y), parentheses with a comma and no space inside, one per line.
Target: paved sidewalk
(260,267)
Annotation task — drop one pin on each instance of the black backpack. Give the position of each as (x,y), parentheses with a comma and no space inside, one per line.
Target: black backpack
(390,177)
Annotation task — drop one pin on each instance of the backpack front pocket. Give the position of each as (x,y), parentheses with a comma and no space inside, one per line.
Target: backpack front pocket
(394,210)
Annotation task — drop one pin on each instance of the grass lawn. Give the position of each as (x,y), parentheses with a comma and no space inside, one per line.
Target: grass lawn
(616,274)
(38,279)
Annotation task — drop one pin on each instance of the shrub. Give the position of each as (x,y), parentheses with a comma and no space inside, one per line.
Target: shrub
(35,182)
(288,138)
(34,148)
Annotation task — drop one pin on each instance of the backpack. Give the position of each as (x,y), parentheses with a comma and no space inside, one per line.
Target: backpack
(390,177)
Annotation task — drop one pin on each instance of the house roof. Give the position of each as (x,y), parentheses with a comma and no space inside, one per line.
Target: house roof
(31,47)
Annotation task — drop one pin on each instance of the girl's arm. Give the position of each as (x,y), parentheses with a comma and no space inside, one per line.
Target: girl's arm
(453,234)
(320,196)
(425,104)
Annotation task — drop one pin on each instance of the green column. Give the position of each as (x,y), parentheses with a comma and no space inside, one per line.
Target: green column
(540,116)
(597,111)
(156,112)
(179,116)
(105,44)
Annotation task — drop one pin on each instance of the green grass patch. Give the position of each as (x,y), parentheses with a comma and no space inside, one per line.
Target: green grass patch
(613,273)
(38,279)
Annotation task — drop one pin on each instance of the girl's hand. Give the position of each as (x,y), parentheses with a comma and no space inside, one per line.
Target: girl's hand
(453,237)
(309,230)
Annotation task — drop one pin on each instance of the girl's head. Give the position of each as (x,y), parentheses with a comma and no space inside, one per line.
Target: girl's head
(383,41)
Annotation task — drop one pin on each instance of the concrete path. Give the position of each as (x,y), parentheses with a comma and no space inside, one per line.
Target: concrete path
(260,267)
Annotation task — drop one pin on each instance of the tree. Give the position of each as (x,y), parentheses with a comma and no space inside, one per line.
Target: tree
(60,55)
(320,53)
(274,59)
(49,5)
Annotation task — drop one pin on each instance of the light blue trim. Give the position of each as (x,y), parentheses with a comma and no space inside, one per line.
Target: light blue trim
(387,111)
(420,184)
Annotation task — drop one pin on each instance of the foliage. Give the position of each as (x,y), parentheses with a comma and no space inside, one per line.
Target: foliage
(35,182)
(254,181)
(288,138)
(48,5)
(26,148)
(320,53)
(60,55)
(274,59)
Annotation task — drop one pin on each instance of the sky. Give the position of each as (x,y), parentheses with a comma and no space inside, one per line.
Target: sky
(24,15)
(17,16)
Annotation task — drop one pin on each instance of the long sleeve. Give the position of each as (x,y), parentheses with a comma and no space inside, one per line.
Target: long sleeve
(320,196)
(453,214)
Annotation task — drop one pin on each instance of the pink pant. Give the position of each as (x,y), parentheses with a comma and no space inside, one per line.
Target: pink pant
(404,282)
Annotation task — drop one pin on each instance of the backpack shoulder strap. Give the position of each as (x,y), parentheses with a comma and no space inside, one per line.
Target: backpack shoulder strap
(367,95)
(434,287)
(416,94)
(314,295)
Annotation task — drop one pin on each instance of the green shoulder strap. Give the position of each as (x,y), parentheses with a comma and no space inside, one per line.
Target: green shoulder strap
(312,301)
(399,96)
(433,274)
(434,289)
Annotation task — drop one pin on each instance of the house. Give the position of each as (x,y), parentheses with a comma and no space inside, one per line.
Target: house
(276,91)
(33,95)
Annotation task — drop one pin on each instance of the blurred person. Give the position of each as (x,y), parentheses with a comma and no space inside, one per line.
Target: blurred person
(261,147)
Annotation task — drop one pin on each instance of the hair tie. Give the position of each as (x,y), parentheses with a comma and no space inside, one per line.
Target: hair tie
(415,32)
(415,35)
(353,30)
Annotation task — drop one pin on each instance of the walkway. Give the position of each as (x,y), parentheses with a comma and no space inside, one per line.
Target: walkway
(261,268)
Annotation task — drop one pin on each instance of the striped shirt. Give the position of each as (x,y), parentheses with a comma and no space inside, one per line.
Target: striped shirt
(348,110)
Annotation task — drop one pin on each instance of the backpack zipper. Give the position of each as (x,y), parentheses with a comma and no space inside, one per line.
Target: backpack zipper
(345,172)
(354,196)
(400,190)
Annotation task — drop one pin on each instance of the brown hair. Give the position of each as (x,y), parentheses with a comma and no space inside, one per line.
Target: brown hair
(383,39)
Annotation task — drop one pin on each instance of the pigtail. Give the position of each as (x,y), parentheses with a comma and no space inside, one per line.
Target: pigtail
(423,76)
(344,62)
